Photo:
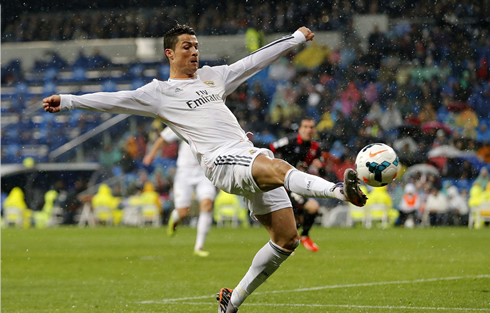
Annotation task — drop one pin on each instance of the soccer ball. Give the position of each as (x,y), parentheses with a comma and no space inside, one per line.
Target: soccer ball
(377,164)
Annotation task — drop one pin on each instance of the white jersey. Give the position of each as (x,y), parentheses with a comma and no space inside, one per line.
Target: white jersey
(185,157)
(193,108)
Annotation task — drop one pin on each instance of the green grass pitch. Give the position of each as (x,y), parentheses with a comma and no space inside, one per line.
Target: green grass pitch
(68,269)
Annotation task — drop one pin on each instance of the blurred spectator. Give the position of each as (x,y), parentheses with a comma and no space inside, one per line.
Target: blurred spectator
(391,118)
(109,156)
(104,200)
(483,178)
(483,152)
(127,162)
(407,155)
(312,56)
(467,171)
(15,199)
(150,197)
(467,118)
(375,113)
(71,204)
(440,140)
(427,113)
(409,206)
(436,206)
(82,61)
(97,60)
(254,39)
(350,97)
(326,123)
(458,209)
(483,134)
(281,70)
(380,197)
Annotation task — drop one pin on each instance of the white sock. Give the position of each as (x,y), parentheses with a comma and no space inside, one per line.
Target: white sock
(203,227)
(264,264)
(175,215)
(310,185)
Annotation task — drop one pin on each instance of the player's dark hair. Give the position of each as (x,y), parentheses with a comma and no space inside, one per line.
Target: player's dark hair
(171,37)
(307,118)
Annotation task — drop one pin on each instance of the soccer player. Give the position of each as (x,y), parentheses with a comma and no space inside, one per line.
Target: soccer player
(302,151)
(189,179)
(192,103)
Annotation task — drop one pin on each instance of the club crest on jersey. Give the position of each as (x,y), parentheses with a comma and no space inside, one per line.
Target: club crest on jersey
(209,83)
(252,151)
(177,90)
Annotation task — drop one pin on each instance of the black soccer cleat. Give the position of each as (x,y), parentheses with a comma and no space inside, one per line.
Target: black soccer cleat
(352,192)
(224,297)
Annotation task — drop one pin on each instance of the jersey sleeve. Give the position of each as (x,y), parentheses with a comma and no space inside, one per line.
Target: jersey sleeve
(238,72)
(169,135)
(142,101)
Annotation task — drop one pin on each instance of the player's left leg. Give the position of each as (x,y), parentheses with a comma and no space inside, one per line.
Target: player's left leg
(281,226)
(203,226)
(205,193)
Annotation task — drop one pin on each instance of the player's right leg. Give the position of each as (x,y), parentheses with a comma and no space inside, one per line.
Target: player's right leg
(271,173)
(176,217)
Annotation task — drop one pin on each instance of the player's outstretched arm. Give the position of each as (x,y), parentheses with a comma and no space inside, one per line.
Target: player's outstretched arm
(156,146)
(52,103)
(238,72)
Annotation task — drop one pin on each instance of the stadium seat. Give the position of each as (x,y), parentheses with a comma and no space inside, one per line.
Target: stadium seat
(150,214)
(479,214)
(376,212)
(87,216)
(356,215)
(103,215)
(79,74)
(12,216)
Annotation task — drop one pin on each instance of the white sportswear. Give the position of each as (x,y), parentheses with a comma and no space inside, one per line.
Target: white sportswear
(185,157)
(189,178)
(193,108)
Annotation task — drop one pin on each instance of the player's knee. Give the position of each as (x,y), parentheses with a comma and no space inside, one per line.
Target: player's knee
(292,242)
(206,205)
(312,206)
(280,168)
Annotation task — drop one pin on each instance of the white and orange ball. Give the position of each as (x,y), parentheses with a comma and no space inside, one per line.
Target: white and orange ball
(377,164)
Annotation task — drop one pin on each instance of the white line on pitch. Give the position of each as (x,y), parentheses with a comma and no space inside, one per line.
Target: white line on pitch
(347,306)
(424,280)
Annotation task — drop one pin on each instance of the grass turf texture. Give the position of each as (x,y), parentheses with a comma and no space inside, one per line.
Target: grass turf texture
(69,269)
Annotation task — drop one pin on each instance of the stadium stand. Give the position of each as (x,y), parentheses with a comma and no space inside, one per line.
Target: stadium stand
(430,69)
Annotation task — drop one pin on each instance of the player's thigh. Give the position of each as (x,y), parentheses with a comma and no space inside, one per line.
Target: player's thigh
(269,173)
(205,189)
(183,192)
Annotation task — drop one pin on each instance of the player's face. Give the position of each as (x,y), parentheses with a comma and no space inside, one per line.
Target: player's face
(184,59)
(307,130)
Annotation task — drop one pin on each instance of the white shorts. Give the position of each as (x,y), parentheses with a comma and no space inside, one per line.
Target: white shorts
(190,180)
(232,172)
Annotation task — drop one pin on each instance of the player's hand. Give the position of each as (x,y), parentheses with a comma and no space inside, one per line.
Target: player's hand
(307,32)
(147,159)
(317,163)
(52,103)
